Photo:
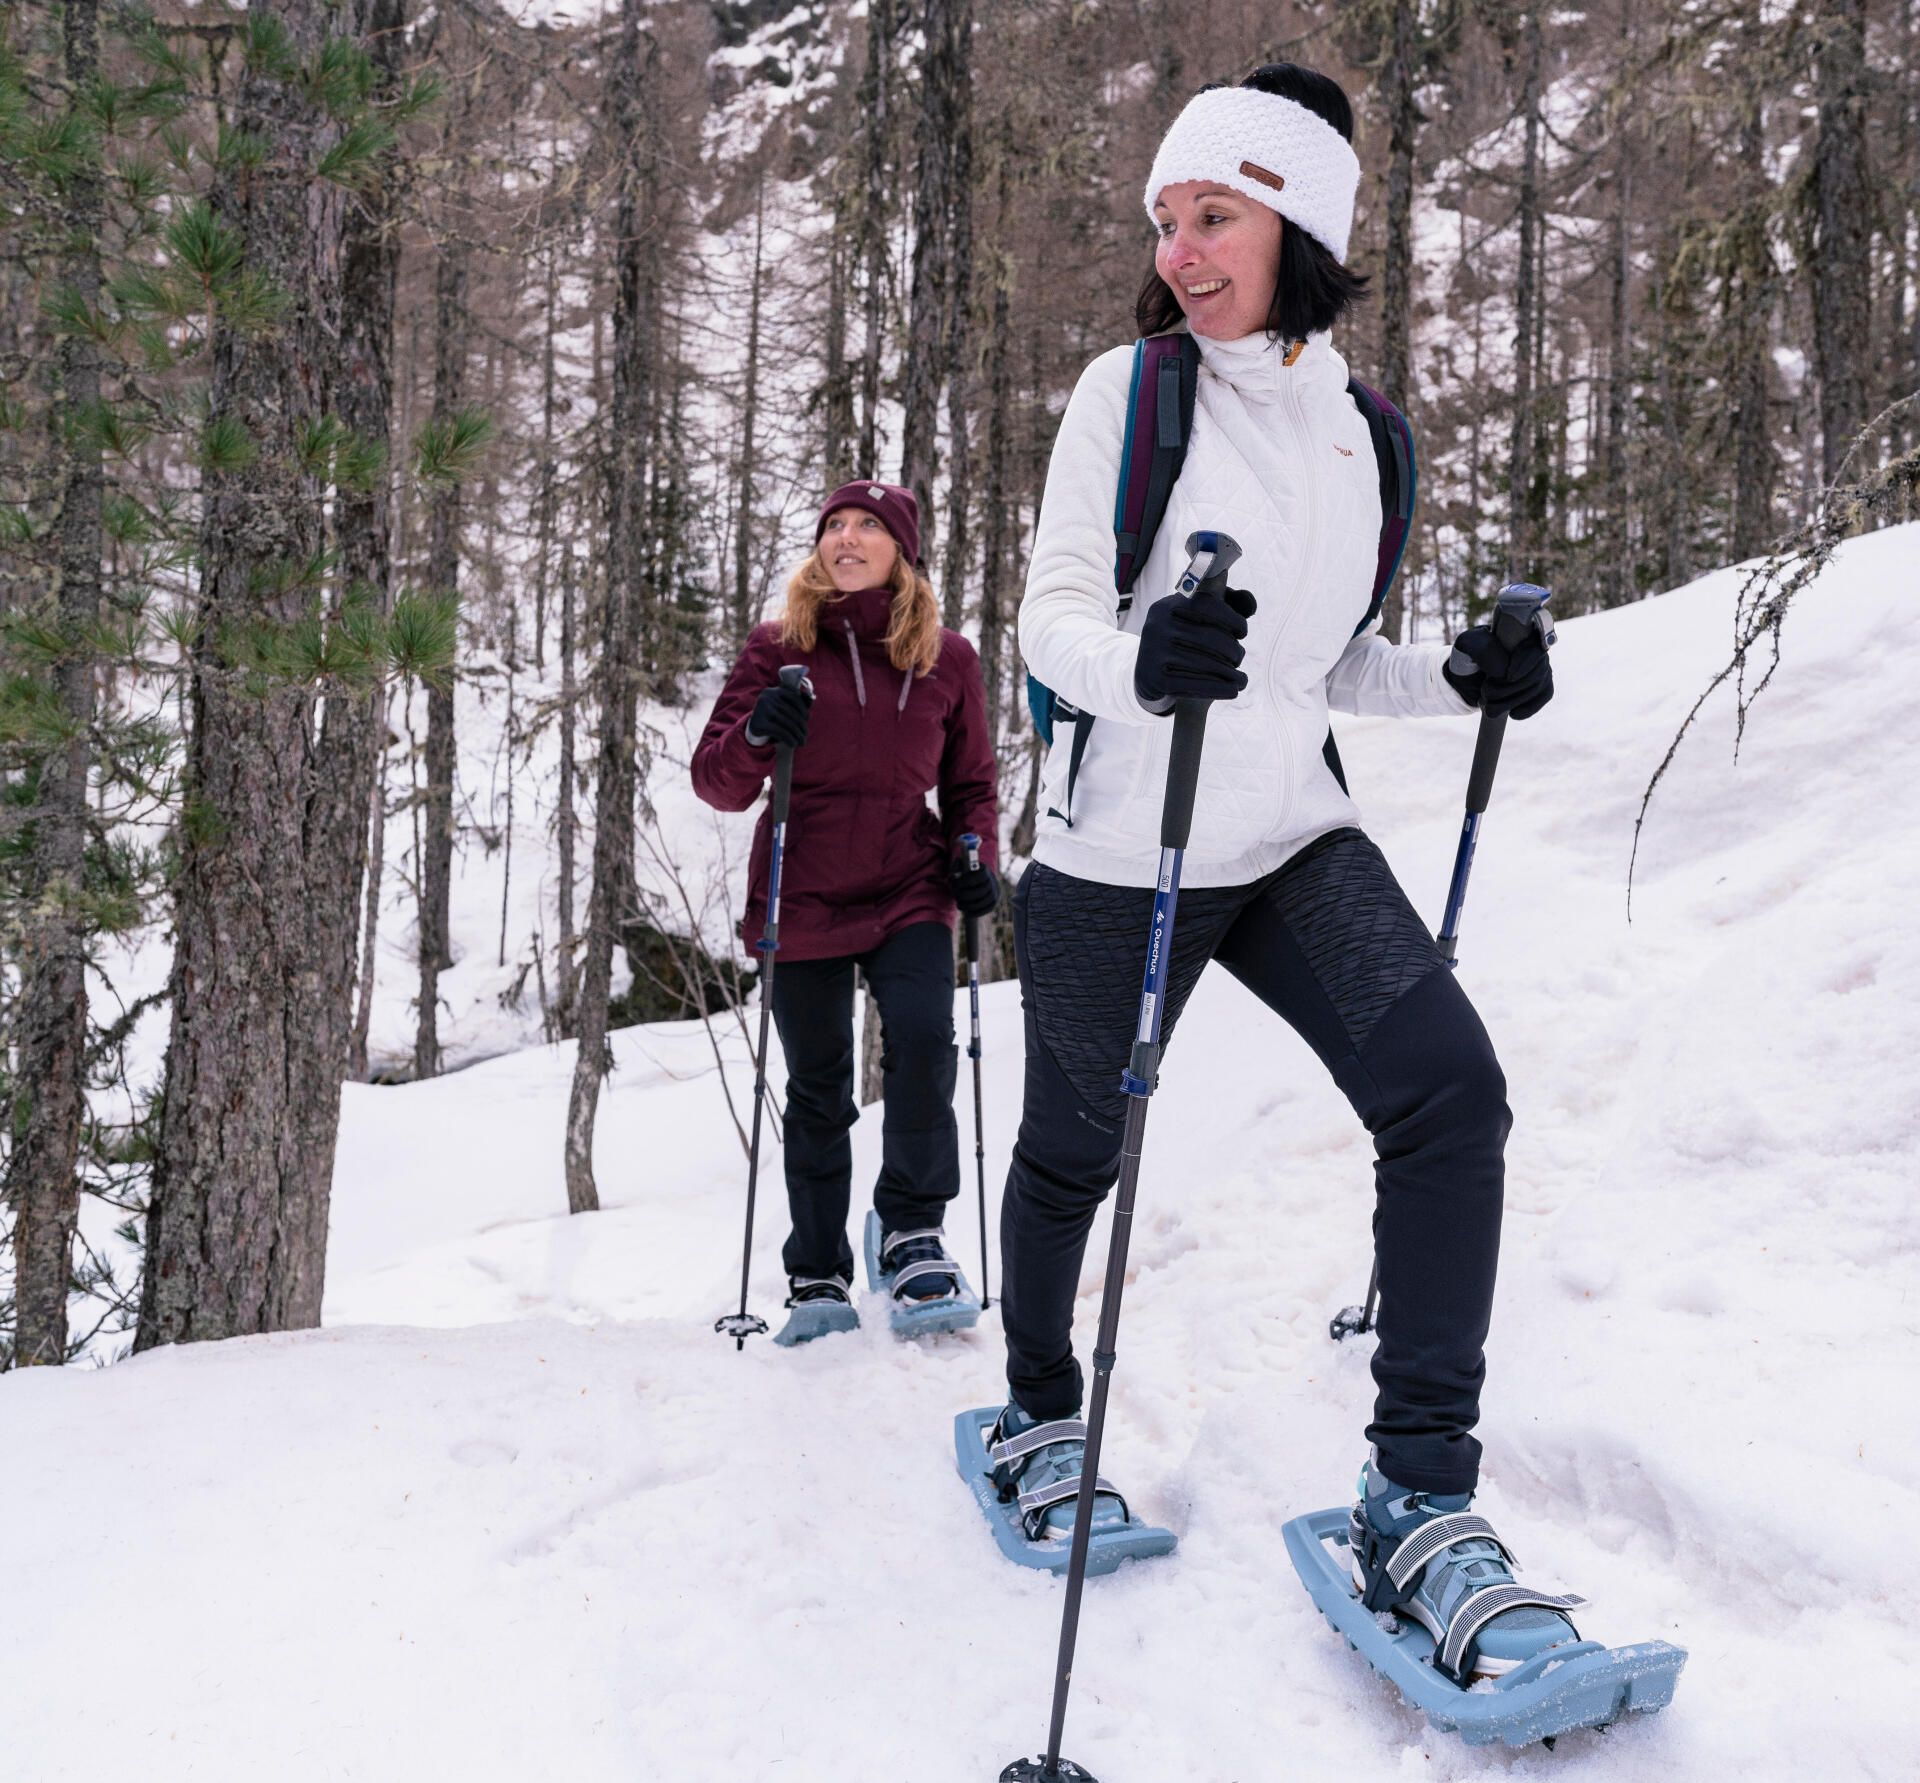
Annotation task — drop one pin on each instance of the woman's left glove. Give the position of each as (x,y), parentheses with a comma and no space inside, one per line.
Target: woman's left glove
(1502,681)
(975,888)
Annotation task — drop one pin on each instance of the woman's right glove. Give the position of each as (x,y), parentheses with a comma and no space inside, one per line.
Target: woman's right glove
(1190,648)
(1501,681)
(779,716)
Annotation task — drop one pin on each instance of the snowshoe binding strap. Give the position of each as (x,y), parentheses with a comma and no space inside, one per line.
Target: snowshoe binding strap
(903,1273)
(1435,1538)
(1476,1611)
(1015,1447)
(803,1289)
(1035,1505)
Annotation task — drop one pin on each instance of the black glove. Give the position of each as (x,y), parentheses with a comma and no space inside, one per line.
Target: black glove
(1190,648)
(1501,681)
(779,716)
(976,889)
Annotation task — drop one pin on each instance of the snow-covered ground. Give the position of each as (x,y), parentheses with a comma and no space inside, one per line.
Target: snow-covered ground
(517,1513)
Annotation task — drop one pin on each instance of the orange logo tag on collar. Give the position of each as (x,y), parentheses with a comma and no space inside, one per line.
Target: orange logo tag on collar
(1294,352)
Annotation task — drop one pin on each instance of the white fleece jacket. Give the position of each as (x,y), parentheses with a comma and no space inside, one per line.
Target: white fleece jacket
(1280,459)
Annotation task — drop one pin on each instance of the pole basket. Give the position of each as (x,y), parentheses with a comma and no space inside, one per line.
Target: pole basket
(1034,1770)
(740,1326)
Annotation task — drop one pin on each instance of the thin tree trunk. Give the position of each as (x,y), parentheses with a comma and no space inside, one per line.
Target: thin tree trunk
(1520,544)
(996,544)
(958,351)
(924,371)
(873,228)
(50,1019)
(443,576)
(1753,463)
(569,696)
(1618,577)
(363,518)
(837,394)
(749,466)
(542,564)
(261,990)
(1397,275)
(1841,194)
(626,558)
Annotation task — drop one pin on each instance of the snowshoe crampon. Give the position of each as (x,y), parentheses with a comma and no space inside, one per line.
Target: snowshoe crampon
(816,1308)
(1107,1546)
(957,1311)
(1576,1684)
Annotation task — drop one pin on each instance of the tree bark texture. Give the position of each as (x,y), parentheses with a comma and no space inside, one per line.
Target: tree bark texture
(1520,454)
(749,466)
(997,540)
(629,408)
(50,1018)
(237,1224)
(443,577)
(1617,575)
(564,818)
(1841,194)
(925,369)
(837,392)
(1753,465)
(1396,283)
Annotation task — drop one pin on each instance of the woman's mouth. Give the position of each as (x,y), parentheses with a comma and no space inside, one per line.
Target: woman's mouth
(1206,287)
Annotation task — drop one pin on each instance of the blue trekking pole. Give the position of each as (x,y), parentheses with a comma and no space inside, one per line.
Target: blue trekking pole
(742,1324)
(1519,608)
(1213,555)
(971,843)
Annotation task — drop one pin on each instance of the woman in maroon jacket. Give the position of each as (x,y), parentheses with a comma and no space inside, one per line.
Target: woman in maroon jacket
(870,876)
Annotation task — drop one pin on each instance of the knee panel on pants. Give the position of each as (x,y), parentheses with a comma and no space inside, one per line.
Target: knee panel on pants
(1433,1080)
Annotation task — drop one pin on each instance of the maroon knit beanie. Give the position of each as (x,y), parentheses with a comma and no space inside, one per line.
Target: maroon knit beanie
(892,506)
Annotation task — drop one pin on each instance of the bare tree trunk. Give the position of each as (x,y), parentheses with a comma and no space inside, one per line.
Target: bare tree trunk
(443,576)
(569,698)
(996,544)
(958,351)
(543,559)
(1520,468)
(1842,198)
(924,370)
(1617,585)
(363,518)
(1403,119)
(749,467)
(837,393)
(50,1019)
(872,1046)
(873,227)
(262,990)
(1753,464)
(626,560)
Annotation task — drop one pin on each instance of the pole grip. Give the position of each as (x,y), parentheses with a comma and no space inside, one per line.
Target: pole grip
(971,844)
(782,781)
(1183,772)
(1486,758)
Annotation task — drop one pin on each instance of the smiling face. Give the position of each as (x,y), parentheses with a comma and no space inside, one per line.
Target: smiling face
(858,551)
(1219,253)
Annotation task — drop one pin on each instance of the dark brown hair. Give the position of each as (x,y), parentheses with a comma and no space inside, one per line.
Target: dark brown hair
(1312,290)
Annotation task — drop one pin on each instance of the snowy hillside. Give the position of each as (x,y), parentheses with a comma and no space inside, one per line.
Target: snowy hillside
(516,1513)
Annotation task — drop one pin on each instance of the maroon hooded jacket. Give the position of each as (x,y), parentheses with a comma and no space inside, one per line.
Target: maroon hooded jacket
(864,856)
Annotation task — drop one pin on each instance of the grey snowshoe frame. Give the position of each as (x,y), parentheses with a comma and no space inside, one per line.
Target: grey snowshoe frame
(1576,1684)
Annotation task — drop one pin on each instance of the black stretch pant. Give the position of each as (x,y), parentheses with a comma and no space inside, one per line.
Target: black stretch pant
(911,977)
(1330,943)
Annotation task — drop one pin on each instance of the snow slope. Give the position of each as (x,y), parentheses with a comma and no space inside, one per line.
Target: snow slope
(516,1513)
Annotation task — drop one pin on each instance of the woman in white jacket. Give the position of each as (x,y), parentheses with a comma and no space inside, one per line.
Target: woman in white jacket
(1252,196)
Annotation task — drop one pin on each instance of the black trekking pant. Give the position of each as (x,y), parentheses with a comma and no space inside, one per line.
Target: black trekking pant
(1330,943)
(911,977)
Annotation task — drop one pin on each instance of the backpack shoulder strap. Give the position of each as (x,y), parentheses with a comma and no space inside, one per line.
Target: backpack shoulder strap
(1153,450)
(1393,455)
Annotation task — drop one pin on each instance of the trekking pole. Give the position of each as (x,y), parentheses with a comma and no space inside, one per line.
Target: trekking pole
(1519,608)
(1213,555)
(971,843)
(742,1324)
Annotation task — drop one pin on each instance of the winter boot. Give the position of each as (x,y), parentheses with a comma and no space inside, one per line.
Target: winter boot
(817,1307)
(1425,1556)
(927,1292)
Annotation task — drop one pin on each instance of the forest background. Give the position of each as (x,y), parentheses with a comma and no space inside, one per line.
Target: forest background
(406,412)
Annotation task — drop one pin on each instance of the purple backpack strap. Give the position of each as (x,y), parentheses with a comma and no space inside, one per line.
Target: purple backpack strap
(1393,454)
(1166,377)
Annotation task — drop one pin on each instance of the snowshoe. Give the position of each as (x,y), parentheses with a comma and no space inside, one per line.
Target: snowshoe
(1025,1476)
(926,1291)
(817,1307)
(1425,1592)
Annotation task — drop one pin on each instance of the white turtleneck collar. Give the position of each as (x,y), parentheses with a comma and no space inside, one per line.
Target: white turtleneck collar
(1255,364)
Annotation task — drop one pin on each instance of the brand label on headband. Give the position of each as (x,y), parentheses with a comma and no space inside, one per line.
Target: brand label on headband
(1263,176)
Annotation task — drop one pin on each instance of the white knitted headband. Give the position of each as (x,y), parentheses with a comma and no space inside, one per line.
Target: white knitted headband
(1270,149)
